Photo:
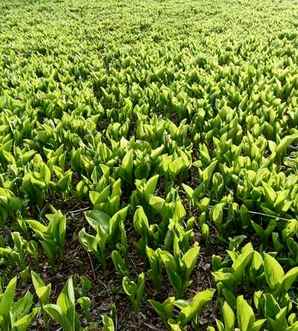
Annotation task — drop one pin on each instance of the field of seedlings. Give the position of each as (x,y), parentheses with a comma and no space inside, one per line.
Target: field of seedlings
(149,165)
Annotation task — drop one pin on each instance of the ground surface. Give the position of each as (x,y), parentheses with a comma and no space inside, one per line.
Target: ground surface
(201,97)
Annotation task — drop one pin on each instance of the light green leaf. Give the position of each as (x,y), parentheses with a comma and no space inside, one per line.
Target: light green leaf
(190,258)
(25,322)
(165,309)
(257,325)
(140,222)
(289,278)
(7,297)
(168,260)
(108,324)
(55,312)
(43,291)
(269,192)
(119,263)
(229,317)
(150,186)
(156,203)
(217,213)
(97,218)
(129,286)
(208,172)
(273,271)
(245,314)
(195,306)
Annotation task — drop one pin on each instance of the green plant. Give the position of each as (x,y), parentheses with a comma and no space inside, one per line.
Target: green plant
(110,321)
(278,317)
(143,228)
(189,310)
(108,324)
(155,266)
(110,231)
(36,181)
(119,263)
(278,281)
(237,272)
(20,252)
(144,190)
(274,301)
(16,316)
(164,309)
(9,203)
(246,319)
(85,305)
(107,199)
(64,311)
(179,267)
(42,291)
(84,286)
(264,234)
(52,235)
(134,290)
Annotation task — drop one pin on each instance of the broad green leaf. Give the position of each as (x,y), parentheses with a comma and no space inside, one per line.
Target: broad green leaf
(140,222)
(7,297)
(150,186)
(97,197)
(37,227)
(195,306)
(66,299)
(168,260)
(177,282)
(55,313)
(22,306)
(219,325)
(229,317)
(217,213)
(289,278)
(188,190)
(245,314)
(165,309)
(156,203)
(108,324)
(190,259)
(293,327)
(269,192)
(273,271)
(241,262)
(127,163)
(208,172)
(116,221)
(97,218)
(257,262)
(203,204)
(175,326)
(119,263)
(43,291)
(282,147)
(25,322)
(257,325)
(271,306)
(279,321)
(89,242)
(179,211)
(140,288)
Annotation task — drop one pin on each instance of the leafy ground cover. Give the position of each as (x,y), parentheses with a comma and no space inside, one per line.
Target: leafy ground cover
(149,165)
